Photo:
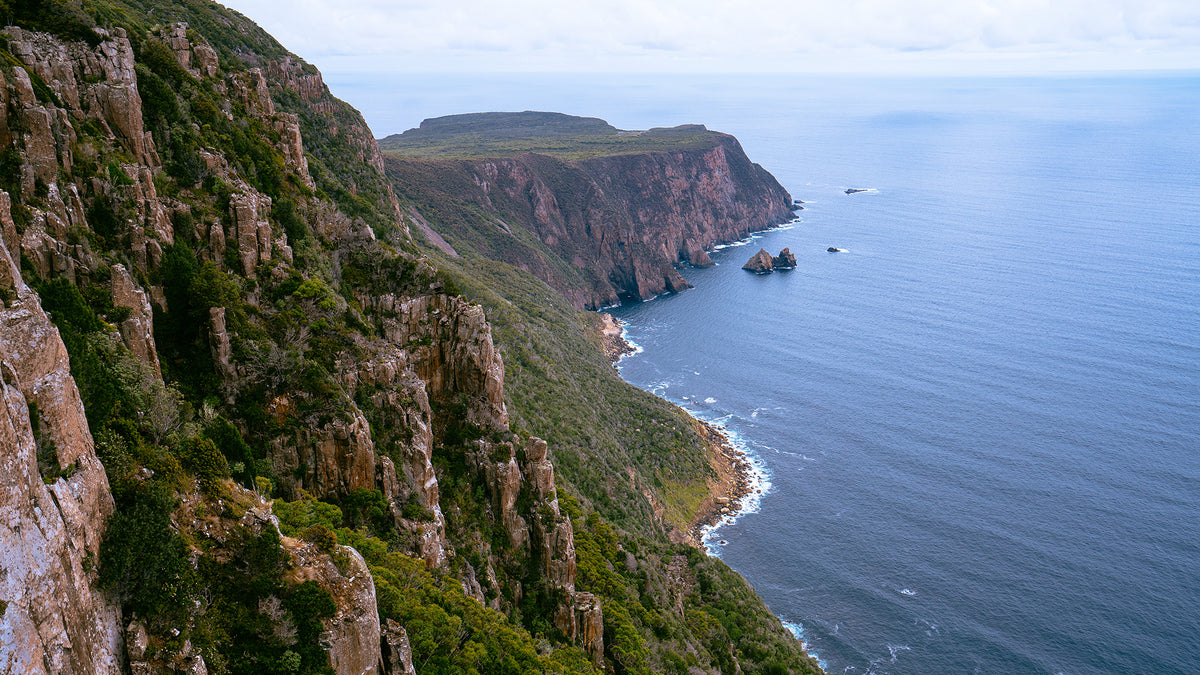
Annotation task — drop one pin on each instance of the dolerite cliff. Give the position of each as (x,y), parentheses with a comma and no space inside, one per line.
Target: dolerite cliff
(604,229)
(247,427)
(54,619)
(90,183)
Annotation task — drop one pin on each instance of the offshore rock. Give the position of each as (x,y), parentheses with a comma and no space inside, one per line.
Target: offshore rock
(760,263)
(785,260)
(53,619)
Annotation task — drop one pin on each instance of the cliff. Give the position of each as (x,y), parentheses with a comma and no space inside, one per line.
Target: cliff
(601,229)
(247,426)
(54,501)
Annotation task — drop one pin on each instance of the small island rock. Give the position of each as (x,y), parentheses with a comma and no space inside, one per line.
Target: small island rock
(760,263)
(833,249)
(785,260)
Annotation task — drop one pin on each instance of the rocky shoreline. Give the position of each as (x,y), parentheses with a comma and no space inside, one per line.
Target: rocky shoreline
(735,481)
(735,478)
(612,341)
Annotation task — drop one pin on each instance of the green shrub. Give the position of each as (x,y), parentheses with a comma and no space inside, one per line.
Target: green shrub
(320,536)
(201,457)
(141,558)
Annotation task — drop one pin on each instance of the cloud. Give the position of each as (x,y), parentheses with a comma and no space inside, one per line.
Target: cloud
(575,35)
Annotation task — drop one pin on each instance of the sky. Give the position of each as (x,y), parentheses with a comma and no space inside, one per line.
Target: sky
(714,36)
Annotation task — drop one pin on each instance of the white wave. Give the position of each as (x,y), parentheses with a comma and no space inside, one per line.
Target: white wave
(791,224)
(797,631)
(896,649)
(710,400)
(758,480)
(908,591)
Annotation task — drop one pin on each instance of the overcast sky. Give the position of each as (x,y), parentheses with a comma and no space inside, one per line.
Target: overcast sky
(735,36)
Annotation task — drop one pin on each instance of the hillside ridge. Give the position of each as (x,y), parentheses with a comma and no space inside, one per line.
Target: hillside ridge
(250,426)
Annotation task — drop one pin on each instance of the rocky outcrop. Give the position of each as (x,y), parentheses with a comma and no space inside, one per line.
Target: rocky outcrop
(137,331)
(763,263)
(98,84)
(53,620)
(352,635)
(539,531)
(332,460)
(449,345)
(403,423)
(590,620)
(627,221)
(397,653)
(251,229)
(760,263)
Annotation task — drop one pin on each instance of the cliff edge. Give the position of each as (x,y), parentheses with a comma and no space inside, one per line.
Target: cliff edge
(603,215)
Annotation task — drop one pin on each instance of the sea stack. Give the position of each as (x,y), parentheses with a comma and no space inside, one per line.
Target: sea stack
(760,263)
(785,260)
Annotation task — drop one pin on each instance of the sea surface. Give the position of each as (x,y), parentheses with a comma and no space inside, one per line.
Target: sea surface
(980,422)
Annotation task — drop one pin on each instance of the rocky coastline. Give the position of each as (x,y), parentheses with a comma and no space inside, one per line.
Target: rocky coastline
(612,339)
(735,481)
(735,478)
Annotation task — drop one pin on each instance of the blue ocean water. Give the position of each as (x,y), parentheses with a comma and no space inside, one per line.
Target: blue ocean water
(981,421)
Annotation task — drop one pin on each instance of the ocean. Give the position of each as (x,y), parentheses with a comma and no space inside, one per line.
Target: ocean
(979,424)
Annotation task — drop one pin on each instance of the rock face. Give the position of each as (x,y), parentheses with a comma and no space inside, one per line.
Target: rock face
(72,105)
(397,653)
(627,221)
(352,634)
(760,263)
(53,619)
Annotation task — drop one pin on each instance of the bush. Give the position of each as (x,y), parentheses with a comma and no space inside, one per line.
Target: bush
(141,558)
(320,536)
(201,457)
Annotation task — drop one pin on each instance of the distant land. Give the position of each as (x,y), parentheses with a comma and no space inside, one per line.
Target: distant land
(501,134)
(604,216)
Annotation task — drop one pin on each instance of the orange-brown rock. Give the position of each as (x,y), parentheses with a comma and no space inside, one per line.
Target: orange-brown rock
(591,626)
(137,331)
(760,263)
(397,653)
(449,345)
(54,620)
(334,459)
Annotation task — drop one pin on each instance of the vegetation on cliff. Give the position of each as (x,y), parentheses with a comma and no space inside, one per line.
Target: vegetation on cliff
(314,464)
